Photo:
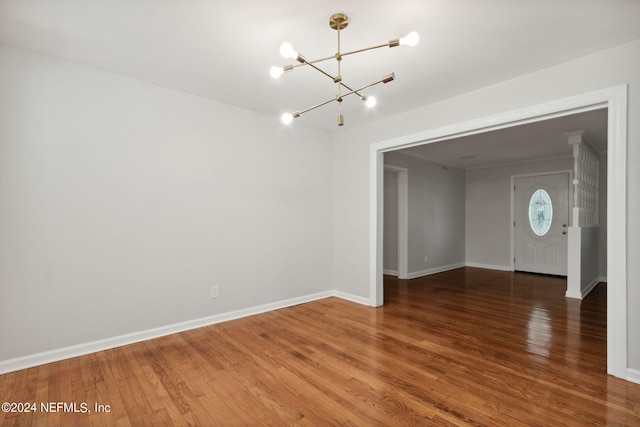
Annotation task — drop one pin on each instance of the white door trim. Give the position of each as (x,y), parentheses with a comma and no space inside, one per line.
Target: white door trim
(615,100)
(403,219)
(513,204)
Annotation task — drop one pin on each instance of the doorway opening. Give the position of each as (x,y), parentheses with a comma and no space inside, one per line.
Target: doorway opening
(396,228)
(615,101)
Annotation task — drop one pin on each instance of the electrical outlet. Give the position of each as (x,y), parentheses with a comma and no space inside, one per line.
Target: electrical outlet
(214,292)
(426,258)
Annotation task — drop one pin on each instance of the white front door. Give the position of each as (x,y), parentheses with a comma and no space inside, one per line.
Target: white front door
(541,215)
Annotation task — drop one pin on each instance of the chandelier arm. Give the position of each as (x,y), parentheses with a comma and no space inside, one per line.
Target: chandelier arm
(328,75)
(321,59)
(352,90)
(302,64)
(306,62)
(322,71)
(314,61)
(332,78)
(310,63)
(368,48)
(317,105)
(385,79)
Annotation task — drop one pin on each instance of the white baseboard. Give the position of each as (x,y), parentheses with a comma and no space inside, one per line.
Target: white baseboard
(633,375)
(489,266)
(434,270)
(429,271)
(584,291)
(574,295)
(56,355)
(603,279)
(590,286)
(351,297)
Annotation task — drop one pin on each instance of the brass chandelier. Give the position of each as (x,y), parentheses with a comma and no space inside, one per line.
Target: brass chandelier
(338,22)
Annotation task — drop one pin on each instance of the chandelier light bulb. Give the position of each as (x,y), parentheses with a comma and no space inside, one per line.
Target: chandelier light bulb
(410,39)
(276,72)
(371,101)
(287,51)
(286,118)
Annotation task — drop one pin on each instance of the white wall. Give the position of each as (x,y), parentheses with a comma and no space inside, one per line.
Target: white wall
(488,216)
(613,67)
(390,252)
(459,217)
(589,254)
(583,262)
(122,202)
(436,214)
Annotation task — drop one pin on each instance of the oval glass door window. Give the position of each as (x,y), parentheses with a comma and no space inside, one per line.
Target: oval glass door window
(540,212)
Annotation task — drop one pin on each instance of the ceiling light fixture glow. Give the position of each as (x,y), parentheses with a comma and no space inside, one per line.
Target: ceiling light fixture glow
(411,39)
(286,118)
(338,22)
(370,101)
(276,72)
(287,51)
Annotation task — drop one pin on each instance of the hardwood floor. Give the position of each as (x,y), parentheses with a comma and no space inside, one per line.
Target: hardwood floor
(465,347)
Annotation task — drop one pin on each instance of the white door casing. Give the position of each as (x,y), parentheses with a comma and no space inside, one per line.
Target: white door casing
(541,246)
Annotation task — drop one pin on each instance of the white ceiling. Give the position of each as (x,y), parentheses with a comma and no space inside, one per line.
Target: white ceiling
(539,140)
(223,49)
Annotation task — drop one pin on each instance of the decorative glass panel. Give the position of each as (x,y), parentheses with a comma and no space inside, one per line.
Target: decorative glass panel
(540,212)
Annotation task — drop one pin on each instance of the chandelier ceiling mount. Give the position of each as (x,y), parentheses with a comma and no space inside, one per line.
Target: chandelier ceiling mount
(338,21)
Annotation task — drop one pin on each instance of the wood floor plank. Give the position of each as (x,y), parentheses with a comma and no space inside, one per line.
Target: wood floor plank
(468,347)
